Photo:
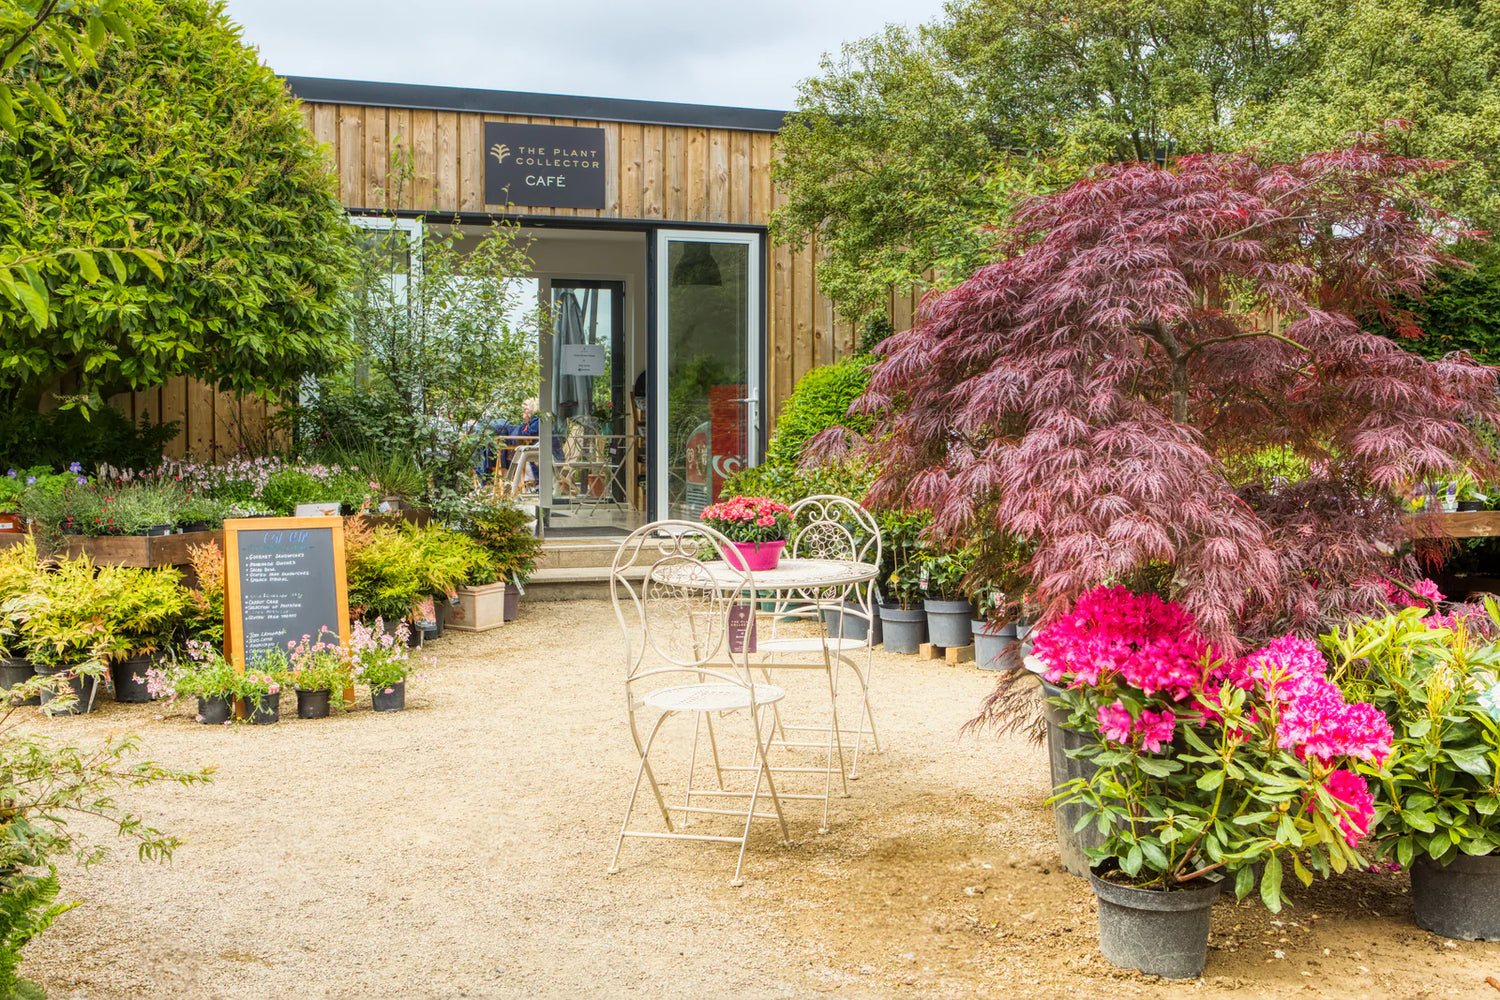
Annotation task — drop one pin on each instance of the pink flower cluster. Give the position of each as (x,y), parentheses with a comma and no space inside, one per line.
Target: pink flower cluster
(1312,717)
(1153,645)
(1396,596)
(1155,729)
(1358,805)
(752,510)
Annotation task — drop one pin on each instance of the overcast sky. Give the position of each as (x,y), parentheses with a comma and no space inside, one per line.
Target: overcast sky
(749,53)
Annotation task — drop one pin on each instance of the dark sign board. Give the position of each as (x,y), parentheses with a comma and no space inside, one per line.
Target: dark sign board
(284,579)
(553,166)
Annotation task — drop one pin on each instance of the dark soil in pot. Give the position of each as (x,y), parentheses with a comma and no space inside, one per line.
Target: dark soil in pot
(948,623)
(1461,900)
(17,670)
(389,699)
(312,704)
(129,677)
(214,711)
(903,631)
(1161,933)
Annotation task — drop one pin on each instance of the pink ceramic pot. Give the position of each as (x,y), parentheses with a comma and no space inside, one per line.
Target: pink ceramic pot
(754,556)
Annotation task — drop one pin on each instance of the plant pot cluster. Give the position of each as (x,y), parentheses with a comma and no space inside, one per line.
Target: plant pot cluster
(1144,736)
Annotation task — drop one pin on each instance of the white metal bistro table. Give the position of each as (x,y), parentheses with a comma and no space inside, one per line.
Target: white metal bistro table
(806,577)
(824,583)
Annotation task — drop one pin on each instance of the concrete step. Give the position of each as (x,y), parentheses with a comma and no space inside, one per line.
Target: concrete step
(577,555)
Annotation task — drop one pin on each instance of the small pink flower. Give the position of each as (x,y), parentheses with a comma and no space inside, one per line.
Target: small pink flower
(1115,722)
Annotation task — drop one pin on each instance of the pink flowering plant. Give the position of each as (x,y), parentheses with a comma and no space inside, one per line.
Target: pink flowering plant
(201,673)
(318,665)
(376,659)
(1209,768)
(750,519)
(1438,796)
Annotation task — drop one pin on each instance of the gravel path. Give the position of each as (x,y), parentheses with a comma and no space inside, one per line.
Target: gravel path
(459,849)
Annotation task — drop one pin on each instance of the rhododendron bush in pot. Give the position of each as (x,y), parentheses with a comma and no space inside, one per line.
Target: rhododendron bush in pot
(1437,803)
(1210,769)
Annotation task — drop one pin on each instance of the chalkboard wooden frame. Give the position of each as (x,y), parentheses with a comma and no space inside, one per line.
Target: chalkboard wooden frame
(234,612)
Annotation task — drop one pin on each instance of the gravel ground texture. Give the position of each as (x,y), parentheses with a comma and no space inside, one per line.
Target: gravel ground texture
(460,848)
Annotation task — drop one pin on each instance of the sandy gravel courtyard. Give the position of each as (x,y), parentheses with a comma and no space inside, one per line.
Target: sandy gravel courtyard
(459,849)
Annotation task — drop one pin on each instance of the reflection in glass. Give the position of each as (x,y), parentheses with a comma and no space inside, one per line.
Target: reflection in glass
(708,371)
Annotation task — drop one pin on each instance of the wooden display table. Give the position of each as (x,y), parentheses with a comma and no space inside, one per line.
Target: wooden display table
(1462,524)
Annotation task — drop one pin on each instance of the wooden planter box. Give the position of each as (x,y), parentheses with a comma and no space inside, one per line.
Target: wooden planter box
(144,551)
(1459,524)
(482,608)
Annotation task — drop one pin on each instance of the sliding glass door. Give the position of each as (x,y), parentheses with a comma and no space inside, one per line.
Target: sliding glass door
(709,361)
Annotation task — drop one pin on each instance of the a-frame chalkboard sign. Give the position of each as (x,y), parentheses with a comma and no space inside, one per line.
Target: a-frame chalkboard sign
(284,578)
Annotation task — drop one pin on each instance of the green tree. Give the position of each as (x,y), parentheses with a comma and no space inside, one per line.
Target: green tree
(445,344)
(910,145)
(174,213)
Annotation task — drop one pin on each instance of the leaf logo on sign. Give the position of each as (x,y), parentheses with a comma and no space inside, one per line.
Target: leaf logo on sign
(500,151)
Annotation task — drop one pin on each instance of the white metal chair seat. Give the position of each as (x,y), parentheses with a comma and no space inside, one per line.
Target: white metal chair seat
(711,697)
(815,644)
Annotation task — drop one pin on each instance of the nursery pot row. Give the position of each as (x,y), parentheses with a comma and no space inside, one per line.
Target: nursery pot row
(266,709)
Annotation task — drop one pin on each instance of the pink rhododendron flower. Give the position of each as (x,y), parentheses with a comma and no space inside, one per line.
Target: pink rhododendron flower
(1156,729)
(1396,596)
(1153,645)
(1115,723)
(1353,792)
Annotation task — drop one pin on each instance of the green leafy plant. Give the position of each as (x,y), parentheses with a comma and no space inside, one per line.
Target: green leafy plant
(820,400)
(27,908)
(903,534)
(180,197)
(1439,792)
(203,614)
(942,574)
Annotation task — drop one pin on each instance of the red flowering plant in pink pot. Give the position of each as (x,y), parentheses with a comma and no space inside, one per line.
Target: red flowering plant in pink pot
(757,527)
(1208,769)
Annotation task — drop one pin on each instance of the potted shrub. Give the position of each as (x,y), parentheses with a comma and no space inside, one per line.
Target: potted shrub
(490,596)
(757,529)
(996,646)
(260,687)
(949,613)
(381,661)
(205,675)
(1209,772)
(318,670)
(145,608)
(903,622)
(67,631)
(1436,811)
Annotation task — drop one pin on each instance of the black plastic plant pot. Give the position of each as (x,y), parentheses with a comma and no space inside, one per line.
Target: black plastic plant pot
(1073,844)
(214,711)
(192,526)
(414,635)
(511,608)
(264,709)
(129,678)
(1469,506)
(312,704)
(902,631)
(389,699)
(17,670)
(85,691)
(430,630)
(157,530)
(1160,933)
(1460,900)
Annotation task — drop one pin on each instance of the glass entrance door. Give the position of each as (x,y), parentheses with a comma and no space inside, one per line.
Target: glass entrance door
(708,361)
(585,443)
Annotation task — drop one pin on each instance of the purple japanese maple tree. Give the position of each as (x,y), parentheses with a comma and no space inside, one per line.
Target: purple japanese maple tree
(1144,326)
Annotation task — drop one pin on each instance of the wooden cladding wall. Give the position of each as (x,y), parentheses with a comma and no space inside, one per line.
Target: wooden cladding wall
(210,424)
(662,173)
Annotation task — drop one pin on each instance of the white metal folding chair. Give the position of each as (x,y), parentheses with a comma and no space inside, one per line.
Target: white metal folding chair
(673,592)
(831,527)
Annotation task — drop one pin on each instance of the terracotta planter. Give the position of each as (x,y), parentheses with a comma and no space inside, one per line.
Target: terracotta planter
(479,609)
(11,522)
(757,557)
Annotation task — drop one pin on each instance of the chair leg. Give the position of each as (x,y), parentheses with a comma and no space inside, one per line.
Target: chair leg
(644,769)
(687,798)
(761,751)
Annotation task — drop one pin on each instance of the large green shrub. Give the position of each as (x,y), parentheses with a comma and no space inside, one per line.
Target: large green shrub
(820,401)
(59,438)
(1461,312)
(212,240)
